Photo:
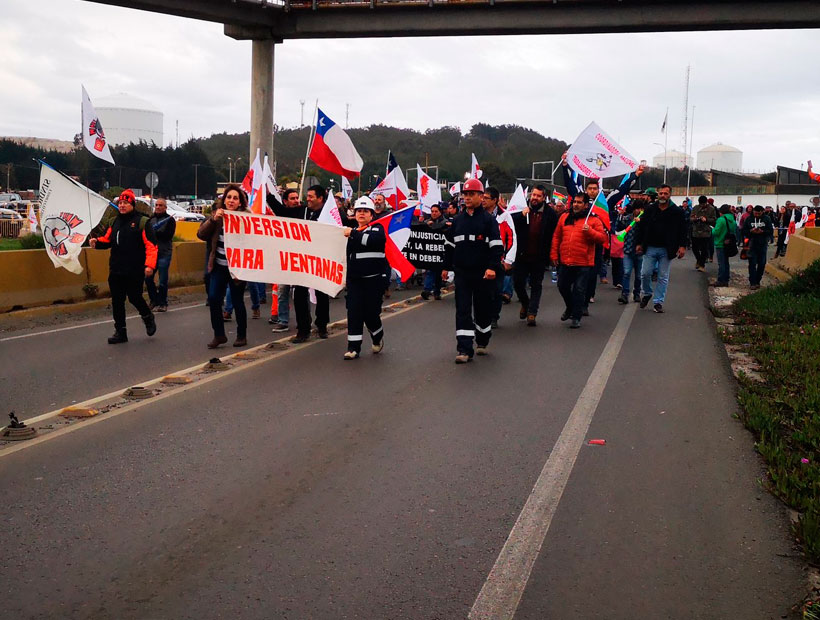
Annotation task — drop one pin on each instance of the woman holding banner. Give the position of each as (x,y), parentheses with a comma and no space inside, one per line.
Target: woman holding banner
(210,231)
(366,263)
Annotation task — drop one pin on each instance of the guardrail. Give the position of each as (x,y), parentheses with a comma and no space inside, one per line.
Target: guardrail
(10,229)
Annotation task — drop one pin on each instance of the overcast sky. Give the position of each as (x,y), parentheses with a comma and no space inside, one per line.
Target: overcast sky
(755,90)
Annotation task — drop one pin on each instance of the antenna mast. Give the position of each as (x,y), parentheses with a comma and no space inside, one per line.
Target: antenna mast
(684,135)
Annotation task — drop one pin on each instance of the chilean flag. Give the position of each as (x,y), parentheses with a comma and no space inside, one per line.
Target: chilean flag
(397,226)
(333,150)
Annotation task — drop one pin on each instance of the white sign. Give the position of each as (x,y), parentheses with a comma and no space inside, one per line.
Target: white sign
(68,212)
(263,248)
(595,155)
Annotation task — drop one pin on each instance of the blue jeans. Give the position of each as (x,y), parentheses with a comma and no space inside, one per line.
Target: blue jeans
(283,307)
(757,264)
(220,281)
(508,286)
(253,289)
(159,294)
(723,266)
(653,258)
(632,262)
(432,281)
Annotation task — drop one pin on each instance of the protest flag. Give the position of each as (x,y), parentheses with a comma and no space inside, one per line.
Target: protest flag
(333,150)
(595,155)
(347,189)
(393,188)
(428,191)
(254,175)
(330,212)
(475,169)
(559,197)
(391,163)
(92,131)
(397,227)
(518,202)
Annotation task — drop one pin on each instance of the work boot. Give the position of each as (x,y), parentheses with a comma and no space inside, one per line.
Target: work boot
(531,320)
(481,350)
(463,358)
(377,347)
(120,335)
(218,340)
(425,295)
(150,324)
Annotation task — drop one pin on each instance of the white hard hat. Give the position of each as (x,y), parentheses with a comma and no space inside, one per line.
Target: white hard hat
(364,203)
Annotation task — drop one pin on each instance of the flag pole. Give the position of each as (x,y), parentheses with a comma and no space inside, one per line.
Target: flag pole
(307,152)
(665,150)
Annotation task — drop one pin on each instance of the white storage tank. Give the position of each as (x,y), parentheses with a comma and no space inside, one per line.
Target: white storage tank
(720,157)
(126,119)
(674,159)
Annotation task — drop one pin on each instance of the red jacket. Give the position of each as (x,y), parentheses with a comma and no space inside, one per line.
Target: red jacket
(574,246)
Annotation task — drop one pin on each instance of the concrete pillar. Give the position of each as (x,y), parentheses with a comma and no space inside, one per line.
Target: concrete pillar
(262,98)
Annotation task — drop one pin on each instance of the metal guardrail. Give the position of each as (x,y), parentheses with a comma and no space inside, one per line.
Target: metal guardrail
(10,229)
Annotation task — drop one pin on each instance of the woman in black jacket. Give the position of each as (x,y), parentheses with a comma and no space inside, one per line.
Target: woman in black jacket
(210,231)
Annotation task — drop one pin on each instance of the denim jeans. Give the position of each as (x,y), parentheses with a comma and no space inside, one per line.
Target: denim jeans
(723,266)
(653,258)
(159,294)
(283,307)
(757,263)
(253,289)
(572,284)
(632,262)
(432,281)
(220,281)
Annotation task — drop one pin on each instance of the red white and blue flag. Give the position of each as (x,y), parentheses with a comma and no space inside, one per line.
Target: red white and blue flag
(333,150)
(397,226)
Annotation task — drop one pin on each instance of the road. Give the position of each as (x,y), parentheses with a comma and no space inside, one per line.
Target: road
(389,487)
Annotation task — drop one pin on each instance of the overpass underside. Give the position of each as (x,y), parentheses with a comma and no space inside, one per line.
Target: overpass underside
(309,19)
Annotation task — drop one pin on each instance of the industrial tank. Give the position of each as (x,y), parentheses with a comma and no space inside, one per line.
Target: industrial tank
(127,119)
(720,157)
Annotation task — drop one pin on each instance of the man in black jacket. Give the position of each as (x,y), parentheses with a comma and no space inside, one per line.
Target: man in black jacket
(533,229)
(757,229)
(133,258)
(164,227)
(660,237)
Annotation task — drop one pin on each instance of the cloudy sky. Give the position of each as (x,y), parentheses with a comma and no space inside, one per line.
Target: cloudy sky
(756,90)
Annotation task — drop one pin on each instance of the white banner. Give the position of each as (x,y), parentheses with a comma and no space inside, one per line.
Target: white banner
(595,155)
(68,212)
(262,248)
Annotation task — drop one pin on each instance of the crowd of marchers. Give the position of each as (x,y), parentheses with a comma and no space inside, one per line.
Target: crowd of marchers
(633,240)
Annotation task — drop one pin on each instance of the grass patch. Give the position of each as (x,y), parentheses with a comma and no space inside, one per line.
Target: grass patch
(10,244)
(781,328)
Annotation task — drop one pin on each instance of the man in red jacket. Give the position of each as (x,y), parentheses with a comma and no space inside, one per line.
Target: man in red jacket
(573,249)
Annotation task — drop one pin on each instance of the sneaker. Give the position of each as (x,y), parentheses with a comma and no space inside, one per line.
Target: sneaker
(531,320)
(425,295)
(575,324)
(323,334)
(522,314)
(240,342)
(645,300)
(566,315)
(377,348)
(279,327)
(623,299)
(619,286)
(658,308)
(351,355)
(300,338)
(255,314)
(226,316)
(592,300)
(479,350)
(462,358)
(162,308)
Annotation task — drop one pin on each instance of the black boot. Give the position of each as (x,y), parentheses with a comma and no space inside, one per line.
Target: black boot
(120,335)
(150,324)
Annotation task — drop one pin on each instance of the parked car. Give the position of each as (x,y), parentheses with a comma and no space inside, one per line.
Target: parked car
(9,214)
(8,198)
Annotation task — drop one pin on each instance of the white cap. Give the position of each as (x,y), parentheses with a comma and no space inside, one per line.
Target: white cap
(364,203)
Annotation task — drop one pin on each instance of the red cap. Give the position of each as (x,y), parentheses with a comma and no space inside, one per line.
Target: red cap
(127,195)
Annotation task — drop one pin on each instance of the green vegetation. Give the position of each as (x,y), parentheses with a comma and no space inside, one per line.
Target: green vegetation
(32,242)
(10,244)
(780,327)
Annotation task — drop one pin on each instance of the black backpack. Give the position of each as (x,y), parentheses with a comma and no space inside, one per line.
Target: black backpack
(730,242)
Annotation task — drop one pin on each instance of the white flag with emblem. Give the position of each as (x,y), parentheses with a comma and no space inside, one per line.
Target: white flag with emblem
(92,131)
(595,155)
(68,213)
(427,189)
(330,212)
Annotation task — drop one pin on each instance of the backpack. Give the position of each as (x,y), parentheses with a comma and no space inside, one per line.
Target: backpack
(729,242)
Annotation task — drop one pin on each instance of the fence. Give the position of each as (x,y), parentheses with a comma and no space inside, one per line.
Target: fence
(10,229)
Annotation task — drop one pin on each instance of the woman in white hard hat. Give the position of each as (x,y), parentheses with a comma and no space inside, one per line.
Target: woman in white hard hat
(366,264)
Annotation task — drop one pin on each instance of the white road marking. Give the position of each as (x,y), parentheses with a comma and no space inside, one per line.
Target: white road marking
(65,329)
(501,594)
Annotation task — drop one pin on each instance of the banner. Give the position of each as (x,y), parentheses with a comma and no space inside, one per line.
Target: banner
(68,212)
(262,248)
(597,156)
(425,248)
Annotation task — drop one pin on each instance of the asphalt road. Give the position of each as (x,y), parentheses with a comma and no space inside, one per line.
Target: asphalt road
(309,487)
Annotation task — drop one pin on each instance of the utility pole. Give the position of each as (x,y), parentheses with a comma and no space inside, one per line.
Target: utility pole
(177,133)
(8,177)
(302,120)
(196,180)
(684,141)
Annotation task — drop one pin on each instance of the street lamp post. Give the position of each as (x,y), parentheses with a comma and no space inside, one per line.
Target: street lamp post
(665,161)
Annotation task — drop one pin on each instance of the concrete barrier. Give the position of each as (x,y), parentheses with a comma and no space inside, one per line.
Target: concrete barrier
(803,249)
(28,278)
(187,230)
